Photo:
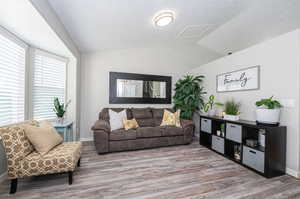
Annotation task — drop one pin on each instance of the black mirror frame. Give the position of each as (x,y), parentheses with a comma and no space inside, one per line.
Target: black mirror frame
(113,99)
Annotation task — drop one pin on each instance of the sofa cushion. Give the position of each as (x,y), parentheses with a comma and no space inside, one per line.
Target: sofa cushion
(159,112)
(141,113)
(104,115)
(146,122)
(145,132)
(171,130)
(157,121)
(122,134)
(62,158)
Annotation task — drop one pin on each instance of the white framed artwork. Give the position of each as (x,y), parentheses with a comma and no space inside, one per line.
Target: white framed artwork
(239,80)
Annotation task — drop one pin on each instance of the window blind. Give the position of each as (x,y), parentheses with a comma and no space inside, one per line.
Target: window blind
(49,81)
(12,81)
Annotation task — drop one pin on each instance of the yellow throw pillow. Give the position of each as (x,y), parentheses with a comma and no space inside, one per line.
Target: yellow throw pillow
(43,138)
(130,124)
(171,119)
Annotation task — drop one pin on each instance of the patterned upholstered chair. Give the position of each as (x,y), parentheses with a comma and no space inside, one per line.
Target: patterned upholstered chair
(24,161)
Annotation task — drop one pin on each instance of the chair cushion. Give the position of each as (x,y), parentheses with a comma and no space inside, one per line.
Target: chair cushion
(122,134)
(62,158)
(171,130)
(146,132)
(16,145)
(43,138)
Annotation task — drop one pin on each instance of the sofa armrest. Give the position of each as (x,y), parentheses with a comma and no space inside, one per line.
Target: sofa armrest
(188,127)
(101,125)
(101,130)
(186,123)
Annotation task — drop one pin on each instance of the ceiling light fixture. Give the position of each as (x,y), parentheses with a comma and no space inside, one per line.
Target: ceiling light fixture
(164,18)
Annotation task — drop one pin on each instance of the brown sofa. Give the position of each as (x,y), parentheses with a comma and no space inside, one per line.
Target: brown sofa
(149,135)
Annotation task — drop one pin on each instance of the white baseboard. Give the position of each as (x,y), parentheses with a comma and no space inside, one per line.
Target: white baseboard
(86,139)
(292,172)
(3,177)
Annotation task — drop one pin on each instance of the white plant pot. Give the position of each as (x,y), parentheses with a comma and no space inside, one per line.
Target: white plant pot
(231,117)
(211,112)
(268,116)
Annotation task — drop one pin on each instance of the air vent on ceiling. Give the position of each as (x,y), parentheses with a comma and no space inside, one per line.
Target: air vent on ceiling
(196,31)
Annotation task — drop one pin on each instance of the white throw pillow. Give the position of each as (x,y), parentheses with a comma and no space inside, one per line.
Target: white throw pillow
(116,119)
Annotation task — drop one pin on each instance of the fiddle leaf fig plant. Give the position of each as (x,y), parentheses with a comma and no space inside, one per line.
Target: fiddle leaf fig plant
(60,108)
(268,103)
(189,95)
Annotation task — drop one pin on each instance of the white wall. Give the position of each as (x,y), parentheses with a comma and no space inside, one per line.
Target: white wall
(73,80)
(95,75)
(279,59)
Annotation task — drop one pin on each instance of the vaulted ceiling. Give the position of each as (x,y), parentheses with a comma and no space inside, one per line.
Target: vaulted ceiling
(214,26)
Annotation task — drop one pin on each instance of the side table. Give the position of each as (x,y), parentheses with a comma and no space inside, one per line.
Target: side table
(66,129)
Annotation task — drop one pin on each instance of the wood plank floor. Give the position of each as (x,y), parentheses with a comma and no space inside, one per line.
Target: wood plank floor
(184,172)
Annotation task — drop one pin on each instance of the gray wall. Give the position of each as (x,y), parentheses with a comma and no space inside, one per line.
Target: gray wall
(2,159)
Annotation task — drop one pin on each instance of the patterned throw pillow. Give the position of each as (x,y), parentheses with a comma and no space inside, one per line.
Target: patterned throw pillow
(171,119)
(130,124)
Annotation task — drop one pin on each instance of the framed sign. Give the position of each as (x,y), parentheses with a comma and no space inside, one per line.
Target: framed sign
(240,80)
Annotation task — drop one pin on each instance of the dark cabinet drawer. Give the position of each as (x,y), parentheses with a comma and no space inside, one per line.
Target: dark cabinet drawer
(254,159)
(234,132)
(217,144)
(206,125)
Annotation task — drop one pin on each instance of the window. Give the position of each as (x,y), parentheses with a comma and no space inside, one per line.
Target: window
(12,80)
(49,81)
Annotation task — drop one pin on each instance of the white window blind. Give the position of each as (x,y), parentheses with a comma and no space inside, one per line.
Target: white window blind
(49,81)
(12,81)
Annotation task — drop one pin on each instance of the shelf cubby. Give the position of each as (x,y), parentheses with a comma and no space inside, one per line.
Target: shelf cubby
(267,159)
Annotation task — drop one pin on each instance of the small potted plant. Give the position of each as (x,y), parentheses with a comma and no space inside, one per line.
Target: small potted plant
(268,111)
(232,110)
(208,107)
(60,109)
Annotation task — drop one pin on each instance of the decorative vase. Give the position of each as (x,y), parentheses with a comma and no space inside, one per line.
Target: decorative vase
(60,120)
(231,117)
(211,112)
(268,116)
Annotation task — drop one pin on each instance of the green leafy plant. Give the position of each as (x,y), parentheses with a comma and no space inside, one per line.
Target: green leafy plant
(188,95)
(211,103)
(269,103)
(232,107)
(60,108)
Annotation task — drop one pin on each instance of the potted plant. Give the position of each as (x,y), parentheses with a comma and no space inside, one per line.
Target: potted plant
(60,109)
(268,111)
(208,107)
(188,95)
(232,110)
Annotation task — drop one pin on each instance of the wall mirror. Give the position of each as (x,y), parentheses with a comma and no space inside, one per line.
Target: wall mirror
(130,88)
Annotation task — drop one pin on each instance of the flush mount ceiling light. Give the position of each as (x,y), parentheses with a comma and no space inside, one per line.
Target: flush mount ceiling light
(164,18)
